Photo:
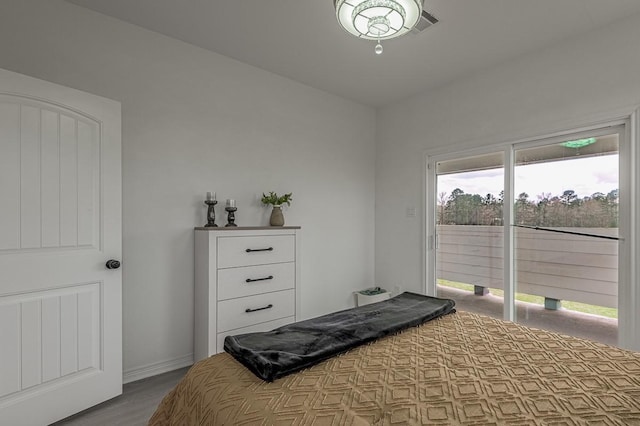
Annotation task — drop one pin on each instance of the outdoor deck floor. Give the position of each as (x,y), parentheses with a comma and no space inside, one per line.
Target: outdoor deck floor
(592,327)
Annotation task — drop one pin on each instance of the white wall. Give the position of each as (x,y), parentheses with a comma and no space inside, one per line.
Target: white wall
(194,121)
(571,82)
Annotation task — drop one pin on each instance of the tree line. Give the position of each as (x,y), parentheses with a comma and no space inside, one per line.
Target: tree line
(567,210)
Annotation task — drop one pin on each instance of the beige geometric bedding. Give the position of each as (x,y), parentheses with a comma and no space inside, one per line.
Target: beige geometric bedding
(462,368)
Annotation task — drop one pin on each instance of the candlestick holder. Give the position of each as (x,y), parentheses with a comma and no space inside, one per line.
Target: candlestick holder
(211,213)
(231,216)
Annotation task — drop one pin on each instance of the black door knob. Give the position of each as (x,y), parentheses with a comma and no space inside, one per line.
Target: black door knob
(112,264)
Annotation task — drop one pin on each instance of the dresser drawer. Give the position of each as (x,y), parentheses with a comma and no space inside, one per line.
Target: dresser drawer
(232,313)
(265,326)
(250,280)
(255,250)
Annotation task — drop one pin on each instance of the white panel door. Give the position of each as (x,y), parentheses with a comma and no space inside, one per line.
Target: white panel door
(60,221)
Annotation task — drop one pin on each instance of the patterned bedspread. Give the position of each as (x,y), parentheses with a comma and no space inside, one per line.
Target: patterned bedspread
(462,369)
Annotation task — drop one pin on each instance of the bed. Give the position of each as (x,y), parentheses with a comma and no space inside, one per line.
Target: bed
(460,368)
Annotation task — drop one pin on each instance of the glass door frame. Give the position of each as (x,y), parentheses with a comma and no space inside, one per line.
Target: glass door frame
(629,214)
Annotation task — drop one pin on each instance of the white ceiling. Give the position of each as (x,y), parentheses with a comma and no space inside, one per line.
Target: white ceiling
(301,39)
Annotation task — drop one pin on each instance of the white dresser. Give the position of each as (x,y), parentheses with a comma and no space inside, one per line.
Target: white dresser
(246,280)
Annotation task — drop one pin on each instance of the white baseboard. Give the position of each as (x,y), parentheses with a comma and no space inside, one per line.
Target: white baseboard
(156,368)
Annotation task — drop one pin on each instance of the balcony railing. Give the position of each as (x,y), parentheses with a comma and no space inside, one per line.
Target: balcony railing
(552,265)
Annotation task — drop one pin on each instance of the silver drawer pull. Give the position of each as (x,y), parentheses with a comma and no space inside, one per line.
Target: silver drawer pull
(252,280)
(269,306)
(265,249)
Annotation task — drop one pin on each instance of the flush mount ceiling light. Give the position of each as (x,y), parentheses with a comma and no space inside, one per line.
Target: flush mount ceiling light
(378,19)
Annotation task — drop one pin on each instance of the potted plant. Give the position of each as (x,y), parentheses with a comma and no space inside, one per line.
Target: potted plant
(273,199)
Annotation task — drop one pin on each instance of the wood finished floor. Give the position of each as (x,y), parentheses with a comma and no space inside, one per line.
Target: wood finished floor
(133,408)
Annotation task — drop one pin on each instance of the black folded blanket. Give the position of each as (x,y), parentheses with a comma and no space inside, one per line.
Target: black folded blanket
(291,348)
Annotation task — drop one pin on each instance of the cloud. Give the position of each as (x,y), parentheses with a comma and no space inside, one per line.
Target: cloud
(585,176)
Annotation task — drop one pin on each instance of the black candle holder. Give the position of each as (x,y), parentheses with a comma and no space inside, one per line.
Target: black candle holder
(231,217)
(211,213)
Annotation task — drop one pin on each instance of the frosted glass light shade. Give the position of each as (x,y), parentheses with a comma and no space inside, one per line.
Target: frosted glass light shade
(378,19)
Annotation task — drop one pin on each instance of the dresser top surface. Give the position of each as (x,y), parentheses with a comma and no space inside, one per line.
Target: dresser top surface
(243,228)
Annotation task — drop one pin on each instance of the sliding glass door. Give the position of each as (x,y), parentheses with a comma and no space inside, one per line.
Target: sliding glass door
(566,236)
(530,233)
(469,262)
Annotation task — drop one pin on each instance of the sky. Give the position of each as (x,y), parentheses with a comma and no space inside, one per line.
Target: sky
(585,176)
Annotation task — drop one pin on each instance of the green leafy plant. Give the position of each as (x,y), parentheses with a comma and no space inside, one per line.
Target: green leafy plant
(273,199)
